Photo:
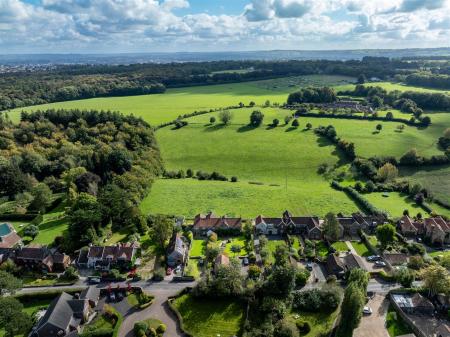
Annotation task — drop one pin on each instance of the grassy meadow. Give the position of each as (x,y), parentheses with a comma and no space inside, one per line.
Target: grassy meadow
(276,167)
(276,170)
(160,108)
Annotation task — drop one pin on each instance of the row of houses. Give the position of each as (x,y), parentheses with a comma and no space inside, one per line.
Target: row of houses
(309,226)
(104,258)
(435,229)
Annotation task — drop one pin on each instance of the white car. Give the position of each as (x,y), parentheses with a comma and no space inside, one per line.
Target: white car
(380,263)
(367,310)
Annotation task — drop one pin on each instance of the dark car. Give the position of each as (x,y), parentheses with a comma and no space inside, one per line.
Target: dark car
(245,261)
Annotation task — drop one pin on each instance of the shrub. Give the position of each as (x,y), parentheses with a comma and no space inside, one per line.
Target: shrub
(286,329)
(212,120)
(161,328)
(140,326)
(303,326)
(301,277)
(234,179)
(295,123)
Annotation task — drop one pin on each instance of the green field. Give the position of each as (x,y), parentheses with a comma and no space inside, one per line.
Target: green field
(281,161)
(215,317)
(160,108)
(395,203)
(394,86)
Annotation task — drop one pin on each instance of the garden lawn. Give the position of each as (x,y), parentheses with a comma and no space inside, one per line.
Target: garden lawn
(210,317)
(340,246)
(198,248)
(236,241)
(321,249)
(297,244)
(360,248)
(321,323)
(395,324)
(160,108)
(272,246)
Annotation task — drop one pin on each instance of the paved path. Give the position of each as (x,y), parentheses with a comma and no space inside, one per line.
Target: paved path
(374,325)
(159,310)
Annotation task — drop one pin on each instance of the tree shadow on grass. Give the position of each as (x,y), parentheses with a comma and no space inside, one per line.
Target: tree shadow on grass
(270,127)
(215,127)
(322,142)
(291,128)
(246,128)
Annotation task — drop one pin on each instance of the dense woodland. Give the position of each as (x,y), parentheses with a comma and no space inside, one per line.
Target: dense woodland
(86,81)
(103,161)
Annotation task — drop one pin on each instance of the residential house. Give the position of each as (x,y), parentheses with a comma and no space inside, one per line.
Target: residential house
(369,223)
(407,226)
(9,238)
(350,227)
(307,225)
(104,258)
(413,303)
(177,251)
(395,259)
(437,230)
(220,225)
(338,266)
(41,258)
(335,266)
(269,226)
(221,260)
(63,317)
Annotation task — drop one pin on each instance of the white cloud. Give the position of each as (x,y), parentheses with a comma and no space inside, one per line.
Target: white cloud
(147,25)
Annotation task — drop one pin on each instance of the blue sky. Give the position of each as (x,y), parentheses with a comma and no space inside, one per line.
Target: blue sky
(97,26)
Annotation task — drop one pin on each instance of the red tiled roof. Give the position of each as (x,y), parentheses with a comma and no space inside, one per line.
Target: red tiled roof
(222,260)
(406,224)
(10,240)
(212,222)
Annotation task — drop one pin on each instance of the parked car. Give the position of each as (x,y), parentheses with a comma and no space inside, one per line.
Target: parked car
(94,280)
(119,296)
(419,240)
(373,258)
(245,261)
(367,311)
(380,264)
(112,297)
(309,266)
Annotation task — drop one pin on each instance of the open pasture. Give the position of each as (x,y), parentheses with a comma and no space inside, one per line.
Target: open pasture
(160,108)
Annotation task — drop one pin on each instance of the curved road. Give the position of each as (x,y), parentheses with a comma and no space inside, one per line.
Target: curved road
(159,310)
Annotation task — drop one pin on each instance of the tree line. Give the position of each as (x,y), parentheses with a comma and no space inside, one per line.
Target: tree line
(72,82)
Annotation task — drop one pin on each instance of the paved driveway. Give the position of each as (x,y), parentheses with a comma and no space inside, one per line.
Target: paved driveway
(374,325)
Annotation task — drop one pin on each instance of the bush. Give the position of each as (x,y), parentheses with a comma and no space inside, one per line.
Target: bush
(301,277)
(285,329)
(161,328)
(295,123)
(140,326)
(234,179)
(303,326)
(316,299)
(158,275)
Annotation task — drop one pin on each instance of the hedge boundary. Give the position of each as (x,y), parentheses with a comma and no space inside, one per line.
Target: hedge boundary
(176,312)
